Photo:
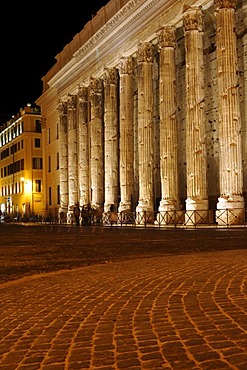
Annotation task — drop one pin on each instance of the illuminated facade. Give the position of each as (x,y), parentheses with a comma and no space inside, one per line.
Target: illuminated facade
(21,191)
(146,109)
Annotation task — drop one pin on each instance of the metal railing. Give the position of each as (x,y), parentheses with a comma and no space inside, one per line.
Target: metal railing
(225,218)
(197,218)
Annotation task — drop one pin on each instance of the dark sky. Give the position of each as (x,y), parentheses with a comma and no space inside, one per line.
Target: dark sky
(30,38)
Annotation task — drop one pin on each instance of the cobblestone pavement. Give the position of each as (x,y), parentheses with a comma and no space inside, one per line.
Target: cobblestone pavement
(167,308)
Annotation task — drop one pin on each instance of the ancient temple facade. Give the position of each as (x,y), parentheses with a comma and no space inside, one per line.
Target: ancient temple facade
(145,109)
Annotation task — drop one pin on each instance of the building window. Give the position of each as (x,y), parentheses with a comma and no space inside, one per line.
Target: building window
(38,186)
(48,136)
(58,194)
(37,164)
(49,196)
(37,143)
(38,125)
(57,161)
(22,164)
(49,163)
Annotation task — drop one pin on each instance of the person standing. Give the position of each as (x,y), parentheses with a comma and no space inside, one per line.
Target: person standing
(77,214)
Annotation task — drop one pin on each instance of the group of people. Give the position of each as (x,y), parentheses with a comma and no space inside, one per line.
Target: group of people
(86,215)
(89,216)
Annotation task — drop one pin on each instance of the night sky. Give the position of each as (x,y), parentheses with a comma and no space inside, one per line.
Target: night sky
(31,37)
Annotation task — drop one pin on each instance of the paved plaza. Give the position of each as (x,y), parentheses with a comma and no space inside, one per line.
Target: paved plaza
(122,298)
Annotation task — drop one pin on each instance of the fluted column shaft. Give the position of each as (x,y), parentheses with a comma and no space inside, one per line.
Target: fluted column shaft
(145,127)
(72,152)
(63,157)
(110,80)
(197,197)
(230,163)
(83,147)
(126,134)
(97,149)
(168,121)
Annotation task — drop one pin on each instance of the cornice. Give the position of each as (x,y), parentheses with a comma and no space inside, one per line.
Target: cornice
(116,21)
(129,19)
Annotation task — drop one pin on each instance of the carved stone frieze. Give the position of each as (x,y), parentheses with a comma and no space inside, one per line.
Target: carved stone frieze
(114,22)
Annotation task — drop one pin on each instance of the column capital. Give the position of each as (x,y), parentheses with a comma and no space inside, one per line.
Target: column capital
(82,97)
(145,52)
(110,76)
(227,4)
(95,86)
(125,65)
(71,102)
(82,93)
(192,19)
(62,107)
(167,37)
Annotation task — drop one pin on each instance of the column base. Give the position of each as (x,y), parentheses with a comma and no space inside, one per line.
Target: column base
(230,210)
(109,207)
(124,207)
(168,213)
(197,212)
(125,213)
(144,213)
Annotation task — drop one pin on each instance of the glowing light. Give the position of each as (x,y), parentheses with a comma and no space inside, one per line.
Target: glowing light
(28,186)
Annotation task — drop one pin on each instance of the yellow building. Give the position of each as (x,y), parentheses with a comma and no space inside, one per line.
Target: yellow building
(21,186)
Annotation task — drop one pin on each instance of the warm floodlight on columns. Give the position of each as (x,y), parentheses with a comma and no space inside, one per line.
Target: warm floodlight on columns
(230,206)
(169,204)
(196,160)
(145,207)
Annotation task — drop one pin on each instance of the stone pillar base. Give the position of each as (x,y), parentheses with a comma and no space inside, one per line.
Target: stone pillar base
(168,213)
(230,210)
(124,207)
(144,214)
(170,217)
(196,212)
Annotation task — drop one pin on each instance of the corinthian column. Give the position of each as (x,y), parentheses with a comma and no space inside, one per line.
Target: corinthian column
(72,153)
(197,199)
(63,159)
(230,162)
(97,149)
(126,134)
(83,150)
(110,80)
(168,122)
(145,129)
